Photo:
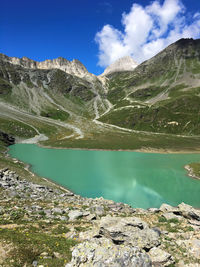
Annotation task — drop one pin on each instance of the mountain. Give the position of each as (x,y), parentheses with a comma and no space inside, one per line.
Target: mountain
(160,95)
(74,67)
(62,100)
(123,64)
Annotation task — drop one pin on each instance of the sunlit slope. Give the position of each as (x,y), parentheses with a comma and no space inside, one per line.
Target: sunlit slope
(160,95)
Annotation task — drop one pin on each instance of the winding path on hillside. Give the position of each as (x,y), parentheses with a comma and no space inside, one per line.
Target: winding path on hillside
(15,114)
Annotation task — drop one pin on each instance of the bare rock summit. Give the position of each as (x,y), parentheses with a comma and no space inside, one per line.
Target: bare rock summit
(123,64)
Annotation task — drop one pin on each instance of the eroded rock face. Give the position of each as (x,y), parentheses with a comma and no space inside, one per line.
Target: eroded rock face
(74,67)
(102,252)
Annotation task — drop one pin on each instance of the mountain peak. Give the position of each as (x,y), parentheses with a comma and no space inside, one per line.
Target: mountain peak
(125,63)
(74,67)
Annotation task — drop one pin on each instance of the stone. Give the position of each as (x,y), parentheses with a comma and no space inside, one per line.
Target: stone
(154,210)
(192,246)
(170,215)
(91,217)
(195,248)
(35,263)
(128,230)
(57,210)
(194,222)
(74,215)
(102,252)
(167,208)
(57,255)
(189,212)
(160,257)
(98,210)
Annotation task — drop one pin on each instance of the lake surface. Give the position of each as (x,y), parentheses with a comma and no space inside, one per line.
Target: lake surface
(140,179)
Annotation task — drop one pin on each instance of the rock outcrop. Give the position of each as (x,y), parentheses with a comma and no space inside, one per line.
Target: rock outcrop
(6,138)
(74,67)
(102,252)
(123,64)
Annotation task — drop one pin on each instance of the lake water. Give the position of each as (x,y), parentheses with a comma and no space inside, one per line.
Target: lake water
(140,179)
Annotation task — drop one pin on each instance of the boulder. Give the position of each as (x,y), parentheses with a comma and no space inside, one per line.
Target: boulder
(170,215)
(160,257)
(98,210)
(189,212)
(168,208)
(129,230)
(102,252)
(75,214)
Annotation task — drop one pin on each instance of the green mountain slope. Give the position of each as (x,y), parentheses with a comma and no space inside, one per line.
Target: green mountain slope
(160,95)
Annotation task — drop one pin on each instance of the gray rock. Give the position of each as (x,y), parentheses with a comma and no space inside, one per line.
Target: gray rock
(103,253)
(74,214)
(58,210)
(154,210)
(35,263)
(167,208)
(160,257)
(189,212)
(129,230)
(98,210)
(170,215)
(91,217)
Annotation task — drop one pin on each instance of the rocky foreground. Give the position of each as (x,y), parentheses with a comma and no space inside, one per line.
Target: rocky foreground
(50,226)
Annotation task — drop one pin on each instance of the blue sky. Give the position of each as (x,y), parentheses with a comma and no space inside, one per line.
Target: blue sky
(94,31)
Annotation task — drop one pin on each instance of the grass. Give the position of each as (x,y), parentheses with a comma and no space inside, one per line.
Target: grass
(195,168)
(146,93)
(29,245)
(16,128)
(55,114)
(130,141)
(160,118)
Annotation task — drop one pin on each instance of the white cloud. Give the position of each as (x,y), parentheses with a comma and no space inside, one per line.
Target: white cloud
(147,30)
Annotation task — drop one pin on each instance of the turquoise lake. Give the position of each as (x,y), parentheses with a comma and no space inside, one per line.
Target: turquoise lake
(140,179)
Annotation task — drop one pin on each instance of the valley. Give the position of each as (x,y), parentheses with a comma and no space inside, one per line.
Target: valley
(154,105)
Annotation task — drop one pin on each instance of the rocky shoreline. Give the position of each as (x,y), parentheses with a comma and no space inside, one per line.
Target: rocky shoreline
(104,233)
(191,173)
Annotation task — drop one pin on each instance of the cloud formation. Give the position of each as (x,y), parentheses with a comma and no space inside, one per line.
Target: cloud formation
(147,30)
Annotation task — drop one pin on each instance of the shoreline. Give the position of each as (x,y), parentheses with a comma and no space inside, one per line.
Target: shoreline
(190,172)
(27,167)
(142,150)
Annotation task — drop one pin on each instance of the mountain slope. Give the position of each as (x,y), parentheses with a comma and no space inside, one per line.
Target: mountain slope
(160,95)
(62,100)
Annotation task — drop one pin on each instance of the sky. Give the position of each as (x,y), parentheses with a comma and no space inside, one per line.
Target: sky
(96,32)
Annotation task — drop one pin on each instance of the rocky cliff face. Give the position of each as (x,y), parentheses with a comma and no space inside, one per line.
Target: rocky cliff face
(122,64)
(74,67)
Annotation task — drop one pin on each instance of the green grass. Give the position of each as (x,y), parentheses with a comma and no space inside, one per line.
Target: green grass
(28,246)
(130,141)
(16,128)
(183,110)
(146,93)
(195,168)
(55,114)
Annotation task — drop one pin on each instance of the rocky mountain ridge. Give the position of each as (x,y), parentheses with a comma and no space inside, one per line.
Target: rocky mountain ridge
(74,67)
